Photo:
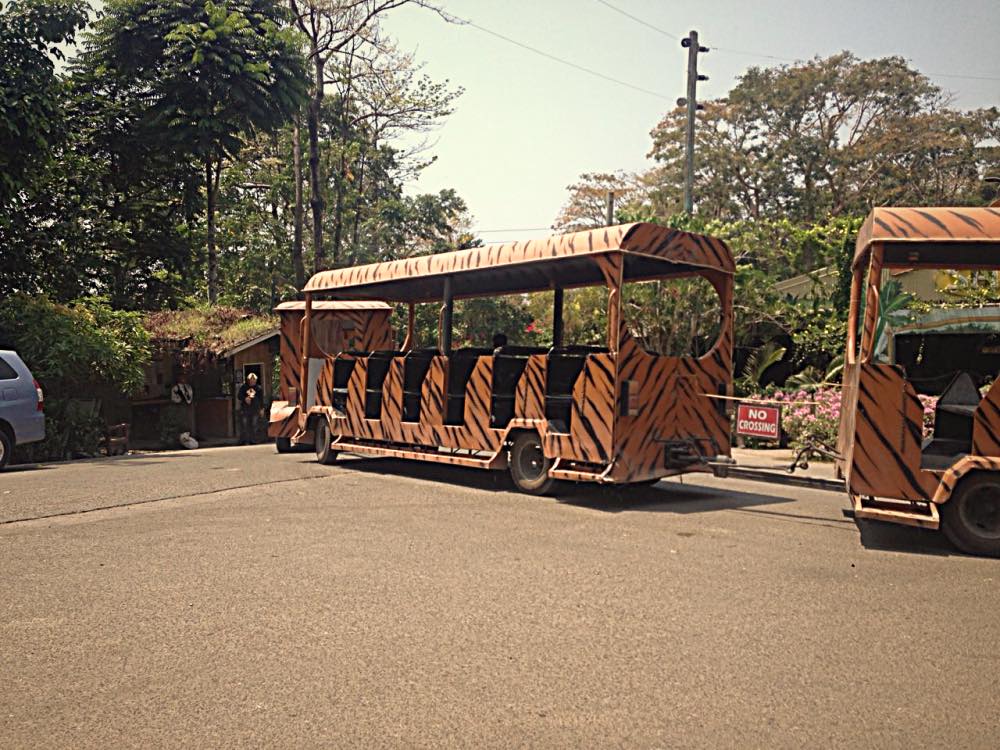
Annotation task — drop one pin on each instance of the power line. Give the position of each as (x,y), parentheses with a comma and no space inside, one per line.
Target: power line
(766,56)
(562,61)
(616,9)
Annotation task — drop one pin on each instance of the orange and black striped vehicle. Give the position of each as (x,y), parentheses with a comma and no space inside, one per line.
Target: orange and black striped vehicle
(613,412)
(949,480)
(336,327)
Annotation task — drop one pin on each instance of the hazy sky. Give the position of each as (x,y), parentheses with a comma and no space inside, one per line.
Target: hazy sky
(527,126)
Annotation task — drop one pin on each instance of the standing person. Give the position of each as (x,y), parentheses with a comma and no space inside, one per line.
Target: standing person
(250,403)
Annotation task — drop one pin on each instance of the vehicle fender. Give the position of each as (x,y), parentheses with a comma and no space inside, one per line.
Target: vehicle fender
(954,474)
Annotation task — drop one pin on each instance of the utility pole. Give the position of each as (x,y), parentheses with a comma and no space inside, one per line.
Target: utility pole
(611,209)
(693,48)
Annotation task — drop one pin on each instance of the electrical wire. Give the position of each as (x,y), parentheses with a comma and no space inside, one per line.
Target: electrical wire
(563,61)
(765,56)
(616,9)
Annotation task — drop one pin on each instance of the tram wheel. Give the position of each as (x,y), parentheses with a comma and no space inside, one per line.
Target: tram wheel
(529,468)
(971,517)
(325,453)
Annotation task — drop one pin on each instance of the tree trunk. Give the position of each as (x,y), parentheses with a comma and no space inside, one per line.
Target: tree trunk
(297,263)
(356,229)
(338,231)
(213,260)
(315,183)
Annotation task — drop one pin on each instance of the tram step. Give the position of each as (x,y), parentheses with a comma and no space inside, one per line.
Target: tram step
(921,514)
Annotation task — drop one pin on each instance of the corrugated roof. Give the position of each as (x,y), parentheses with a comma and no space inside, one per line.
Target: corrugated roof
(515,266)
(928,225)
(334,305)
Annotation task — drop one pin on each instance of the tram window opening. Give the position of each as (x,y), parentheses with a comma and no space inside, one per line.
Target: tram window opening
(676,317)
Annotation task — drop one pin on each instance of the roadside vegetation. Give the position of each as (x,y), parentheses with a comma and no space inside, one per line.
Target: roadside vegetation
(198,160)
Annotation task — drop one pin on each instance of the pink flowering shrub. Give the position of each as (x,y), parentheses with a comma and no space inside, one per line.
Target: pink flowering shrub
(809,416)
(930,404)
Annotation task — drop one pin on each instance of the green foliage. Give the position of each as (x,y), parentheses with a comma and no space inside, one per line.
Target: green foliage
(31,117)
(756,366)
(209,72)
(70,348)
(209,328)
(72,428)
(828,136)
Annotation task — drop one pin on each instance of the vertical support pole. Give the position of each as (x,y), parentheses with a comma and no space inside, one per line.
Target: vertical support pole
(610,218)
(411,316)
(447,310)
(693,48)
(850,356)
(557,316)
(872,304)
(306,346)
(615,306)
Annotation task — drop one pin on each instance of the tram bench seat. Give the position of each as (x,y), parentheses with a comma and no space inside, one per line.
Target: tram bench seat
(564,365)
(508,366)
(378,368)
(342,370)
(461,363)
(415,366)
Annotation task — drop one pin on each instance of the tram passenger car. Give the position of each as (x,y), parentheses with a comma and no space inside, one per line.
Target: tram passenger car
(949,480)
(613,413)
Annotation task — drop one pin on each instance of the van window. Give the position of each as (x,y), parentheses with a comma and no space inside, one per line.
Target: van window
(6,371)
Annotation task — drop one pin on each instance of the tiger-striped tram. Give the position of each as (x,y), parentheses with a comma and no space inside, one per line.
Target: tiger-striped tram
(611,413)
(949,480)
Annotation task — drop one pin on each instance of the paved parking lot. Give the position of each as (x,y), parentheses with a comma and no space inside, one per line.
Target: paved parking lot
(236,597)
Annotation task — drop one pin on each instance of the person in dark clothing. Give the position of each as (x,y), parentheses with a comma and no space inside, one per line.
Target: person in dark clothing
(499,339)
(250,403)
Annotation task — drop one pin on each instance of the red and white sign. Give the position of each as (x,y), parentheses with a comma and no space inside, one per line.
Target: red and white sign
(758,421)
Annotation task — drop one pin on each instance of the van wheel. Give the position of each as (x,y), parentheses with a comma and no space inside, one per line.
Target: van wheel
(971,517)
(283,444)
(325,453)
(529,468)
(6,448)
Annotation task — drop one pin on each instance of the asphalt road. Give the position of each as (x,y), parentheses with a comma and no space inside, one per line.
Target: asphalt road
(235,597)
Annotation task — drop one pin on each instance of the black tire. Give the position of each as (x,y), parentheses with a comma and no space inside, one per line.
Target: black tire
(283,444)
(971,517)
(325,453)
(6,448)
(529,468)
(645,482)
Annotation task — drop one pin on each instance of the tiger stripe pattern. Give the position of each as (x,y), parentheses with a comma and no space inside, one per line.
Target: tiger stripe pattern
(880,437)
(597,442)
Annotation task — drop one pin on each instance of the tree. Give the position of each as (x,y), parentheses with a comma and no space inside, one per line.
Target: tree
(829,136)
(30,92)
(586,207)
(334,28)
(211,73)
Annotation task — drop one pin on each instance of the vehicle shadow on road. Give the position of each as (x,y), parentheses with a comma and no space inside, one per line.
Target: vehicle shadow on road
(879,536)
(18,468)
(664,497)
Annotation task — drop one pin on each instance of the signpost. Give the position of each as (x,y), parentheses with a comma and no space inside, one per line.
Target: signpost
(758,421)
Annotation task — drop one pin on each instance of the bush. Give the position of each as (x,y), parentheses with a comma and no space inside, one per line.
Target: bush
(810,416)
(73,350)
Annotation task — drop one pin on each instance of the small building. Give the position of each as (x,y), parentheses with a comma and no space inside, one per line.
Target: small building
(200,359)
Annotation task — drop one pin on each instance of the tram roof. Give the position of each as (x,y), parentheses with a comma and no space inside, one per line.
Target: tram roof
(565,260)
(333,305)
(955,237)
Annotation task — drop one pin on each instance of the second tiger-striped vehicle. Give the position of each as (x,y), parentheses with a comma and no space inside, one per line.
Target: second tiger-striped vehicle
(950,479)
(611,413)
